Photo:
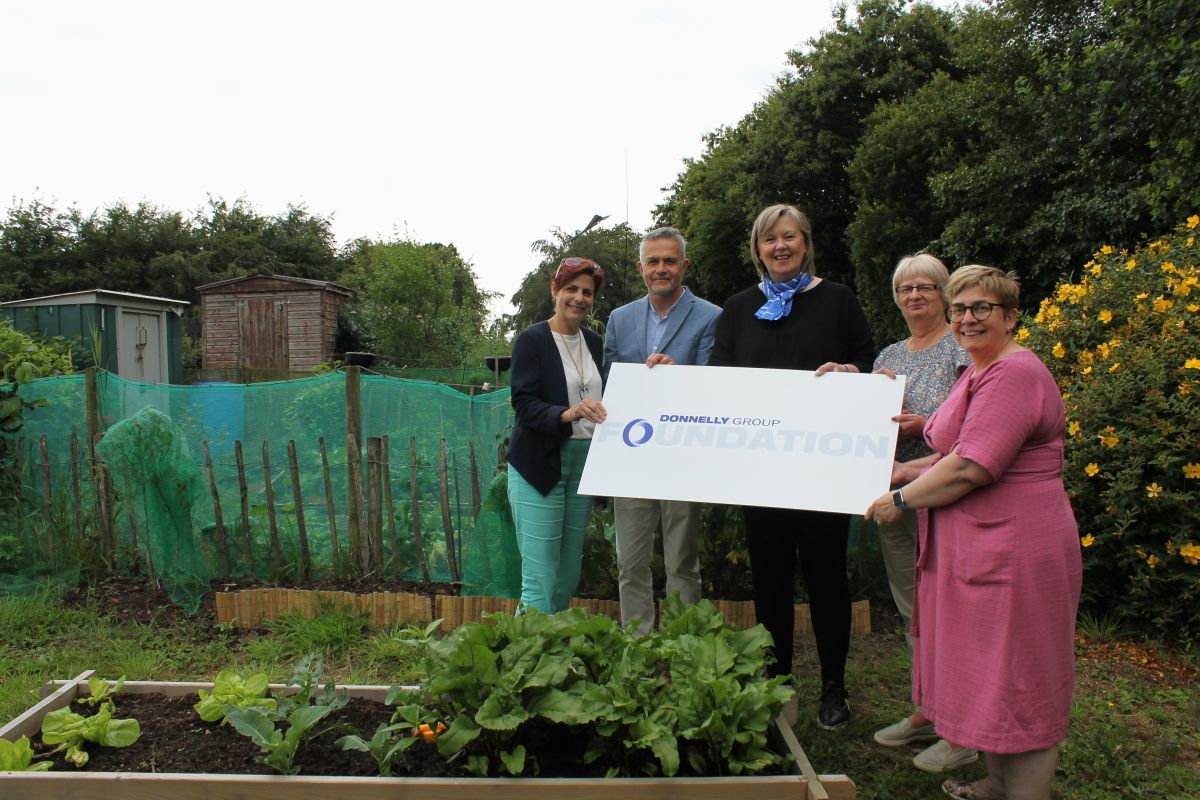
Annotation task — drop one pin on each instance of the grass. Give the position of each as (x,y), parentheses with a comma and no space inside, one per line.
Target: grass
(40,640)
(1135,726)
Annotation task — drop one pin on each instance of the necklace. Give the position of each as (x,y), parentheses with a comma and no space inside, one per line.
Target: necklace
(580,365)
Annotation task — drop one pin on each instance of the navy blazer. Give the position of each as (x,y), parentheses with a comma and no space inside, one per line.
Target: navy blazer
(688,339)
(539,396)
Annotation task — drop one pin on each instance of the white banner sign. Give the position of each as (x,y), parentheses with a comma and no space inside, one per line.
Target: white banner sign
(756,437)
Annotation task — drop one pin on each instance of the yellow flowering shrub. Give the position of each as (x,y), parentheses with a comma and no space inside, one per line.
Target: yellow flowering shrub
(1123,342)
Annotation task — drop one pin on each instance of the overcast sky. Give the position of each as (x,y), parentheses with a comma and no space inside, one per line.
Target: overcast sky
(482,124)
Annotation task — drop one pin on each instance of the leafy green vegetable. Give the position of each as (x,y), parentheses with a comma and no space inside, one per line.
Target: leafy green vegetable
(389,742)
(18,757)
(230,691)
(99,690)
(70,730)
(696,693)
(300,711)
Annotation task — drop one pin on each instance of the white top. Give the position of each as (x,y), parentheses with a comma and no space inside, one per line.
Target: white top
(583,378)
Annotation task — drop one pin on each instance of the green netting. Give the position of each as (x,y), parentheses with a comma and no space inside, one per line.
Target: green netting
(415,416)
(153,470)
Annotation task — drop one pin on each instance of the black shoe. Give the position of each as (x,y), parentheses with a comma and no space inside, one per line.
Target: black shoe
(834,711)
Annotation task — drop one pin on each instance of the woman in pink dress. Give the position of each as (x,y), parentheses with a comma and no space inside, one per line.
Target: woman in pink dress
(998,564)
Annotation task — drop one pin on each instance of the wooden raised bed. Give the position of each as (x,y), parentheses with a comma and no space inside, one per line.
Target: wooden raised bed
(248,608)
(804,784)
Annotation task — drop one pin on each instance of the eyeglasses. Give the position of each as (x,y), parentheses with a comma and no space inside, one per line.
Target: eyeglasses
(591,266)
(923,288)
(980,311)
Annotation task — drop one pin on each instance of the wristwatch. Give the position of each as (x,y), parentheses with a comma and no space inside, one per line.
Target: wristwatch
(898,499)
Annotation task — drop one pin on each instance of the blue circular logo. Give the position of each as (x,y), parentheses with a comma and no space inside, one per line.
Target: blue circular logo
(646,431)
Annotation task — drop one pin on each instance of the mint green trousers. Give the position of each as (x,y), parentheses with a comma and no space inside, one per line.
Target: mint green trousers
(550,531)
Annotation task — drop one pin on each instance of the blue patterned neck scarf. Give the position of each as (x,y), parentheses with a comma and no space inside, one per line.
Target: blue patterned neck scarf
(779,296)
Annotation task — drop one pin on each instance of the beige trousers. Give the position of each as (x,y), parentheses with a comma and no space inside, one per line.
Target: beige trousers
(637,520)
(899,545)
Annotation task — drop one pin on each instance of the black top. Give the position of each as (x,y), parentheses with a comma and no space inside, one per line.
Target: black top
(539,396)
(826,324)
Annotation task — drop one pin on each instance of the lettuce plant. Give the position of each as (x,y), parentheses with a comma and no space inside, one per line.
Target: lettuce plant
(18,757)
(70,730)
(230,691)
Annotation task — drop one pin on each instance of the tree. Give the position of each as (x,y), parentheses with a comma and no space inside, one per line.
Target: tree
(795,145)
(148,250)
(419,304)
(614,249)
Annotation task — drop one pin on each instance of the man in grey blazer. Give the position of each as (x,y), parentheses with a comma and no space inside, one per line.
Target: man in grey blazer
(670,325)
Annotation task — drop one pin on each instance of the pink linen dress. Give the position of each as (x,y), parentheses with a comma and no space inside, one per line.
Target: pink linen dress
(999,570)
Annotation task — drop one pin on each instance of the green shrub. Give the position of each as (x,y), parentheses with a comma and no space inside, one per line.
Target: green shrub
(1124,345)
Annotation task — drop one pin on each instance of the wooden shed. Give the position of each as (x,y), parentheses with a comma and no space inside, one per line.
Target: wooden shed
(268,323)
(139,337)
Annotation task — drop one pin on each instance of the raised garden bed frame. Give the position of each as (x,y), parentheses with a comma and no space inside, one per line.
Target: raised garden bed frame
(804,784)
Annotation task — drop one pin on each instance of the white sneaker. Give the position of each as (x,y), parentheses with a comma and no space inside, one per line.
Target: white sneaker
(904,733)
(941,757)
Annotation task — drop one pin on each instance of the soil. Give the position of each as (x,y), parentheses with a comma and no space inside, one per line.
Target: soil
(175,739)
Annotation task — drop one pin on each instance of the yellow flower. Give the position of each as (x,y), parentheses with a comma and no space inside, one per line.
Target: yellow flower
(1193,307)
(1059,351)
(1191,471)
(1105,316)
(1167,267)
(1190,553)
(1131,263)
(1096,270)
(1089,540)
(1143,295)
(1192,363)
(1086,371)
(1091,469)
(1103,349)
(1109,437)
(1116,365)
(1152,561)
(1153,490)
(1074,428)
(1107,249)
(1022,334)
(1193,221)
(1185,286)
(1162,305)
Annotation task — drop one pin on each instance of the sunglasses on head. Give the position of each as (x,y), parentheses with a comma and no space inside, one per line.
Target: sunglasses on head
(591,268)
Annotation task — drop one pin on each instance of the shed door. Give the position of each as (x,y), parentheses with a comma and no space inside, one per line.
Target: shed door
(139,347)
(262,339)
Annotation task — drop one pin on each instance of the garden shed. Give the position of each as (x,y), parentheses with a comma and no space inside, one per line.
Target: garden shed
(264,323)
(133,335)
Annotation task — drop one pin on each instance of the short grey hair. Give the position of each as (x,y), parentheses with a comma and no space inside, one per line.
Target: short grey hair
(663,233)
(921,265)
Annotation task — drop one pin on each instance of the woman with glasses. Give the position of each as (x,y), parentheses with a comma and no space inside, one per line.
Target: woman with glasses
(998,564)
(791,319)
(557,380)
(931,361)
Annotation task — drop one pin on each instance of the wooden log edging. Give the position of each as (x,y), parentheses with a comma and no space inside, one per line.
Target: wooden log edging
(249,608)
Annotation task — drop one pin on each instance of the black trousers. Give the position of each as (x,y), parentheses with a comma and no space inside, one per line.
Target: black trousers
(777,539)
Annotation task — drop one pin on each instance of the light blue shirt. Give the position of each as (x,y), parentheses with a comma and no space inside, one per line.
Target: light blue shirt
(656,326)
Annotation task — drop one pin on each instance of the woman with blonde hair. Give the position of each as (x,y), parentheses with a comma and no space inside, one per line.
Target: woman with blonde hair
(792,319)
